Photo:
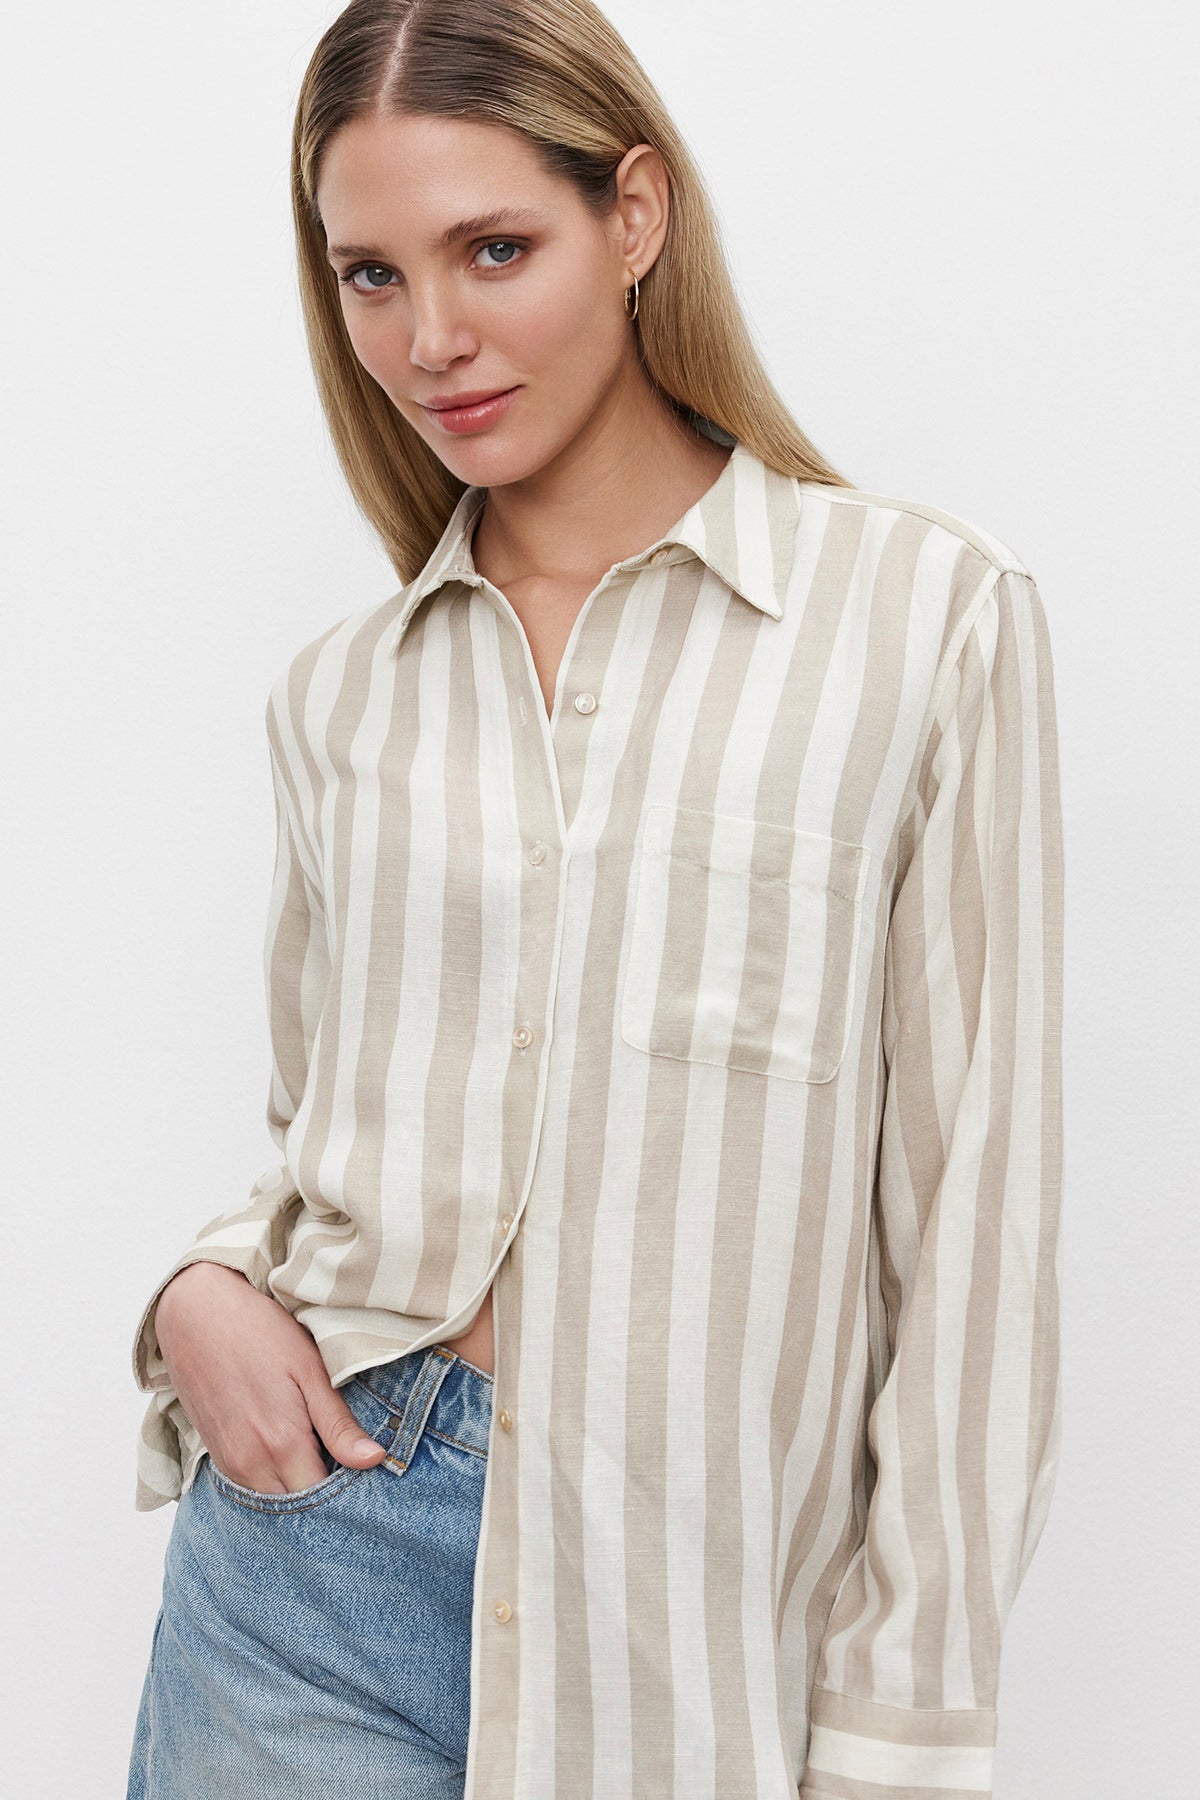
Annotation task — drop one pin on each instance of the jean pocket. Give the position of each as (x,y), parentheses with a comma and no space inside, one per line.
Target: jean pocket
(378,1422)
(743,944)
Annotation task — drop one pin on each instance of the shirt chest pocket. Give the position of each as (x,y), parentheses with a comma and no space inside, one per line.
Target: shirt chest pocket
(743,944)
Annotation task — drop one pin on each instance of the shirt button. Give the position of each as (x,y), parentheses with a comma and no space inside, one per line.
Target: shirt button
(504,1420)
(503,1611)
(522,1037)
(537,854)
(506,1221)
(585,703)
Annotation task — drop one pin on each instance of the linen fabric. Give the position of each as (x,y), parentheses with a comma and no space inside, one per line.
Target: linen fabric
(713,1018)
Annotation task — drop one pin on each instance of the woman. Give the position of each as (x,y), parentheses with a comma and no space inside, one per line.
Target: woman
(640,1378)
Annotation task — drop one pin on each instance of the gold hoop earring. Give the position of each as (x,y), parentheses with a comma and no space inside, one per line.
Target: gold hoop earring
(634,292)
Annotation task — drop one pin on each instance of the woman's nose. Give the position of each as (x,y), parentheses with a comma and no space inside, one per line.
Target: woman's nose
(439,332)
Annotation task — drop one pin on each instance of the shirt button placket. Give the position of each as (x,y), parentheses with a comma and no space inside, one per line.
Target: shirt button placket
(523,1038)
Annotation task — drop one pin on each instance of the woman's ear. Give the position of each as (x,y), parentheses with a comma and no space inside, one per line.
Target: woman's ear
(642,209)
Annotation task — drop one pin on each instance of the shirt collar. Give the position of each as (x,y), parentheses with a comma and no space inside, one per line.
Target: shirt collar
(743,528)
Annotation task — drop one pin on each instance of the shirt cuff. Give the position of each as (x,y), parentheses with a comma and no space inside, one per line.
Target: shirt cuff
(149,1369)
(867,1750)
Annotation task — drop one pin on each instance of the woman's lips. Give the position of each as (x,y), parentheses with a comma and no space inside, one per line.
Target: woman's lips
(471,418)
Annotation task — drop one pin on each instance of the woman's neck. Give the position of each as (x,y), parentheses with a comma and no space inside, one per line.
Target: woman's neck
(618,486)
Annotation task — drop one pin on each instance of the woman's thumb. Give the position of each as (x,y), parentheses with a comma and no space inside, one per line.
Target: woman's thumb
(340,1431)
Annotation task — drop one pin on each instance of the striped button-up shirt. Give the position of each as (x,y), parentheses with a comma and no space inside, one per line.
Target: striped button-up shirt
(712,1017)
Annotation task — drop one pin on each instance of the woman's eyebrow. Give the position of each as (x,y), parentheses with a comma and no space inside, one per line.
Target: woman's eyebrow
(454,234)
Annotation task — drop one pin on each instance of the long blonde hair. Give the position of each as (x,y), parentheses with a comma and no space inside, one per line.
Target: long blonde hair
(560,73)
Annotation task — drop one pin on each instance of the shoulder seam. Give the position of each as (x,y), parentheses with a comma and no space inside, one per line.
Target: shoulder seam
(951,657)
(281,679)
(962,529)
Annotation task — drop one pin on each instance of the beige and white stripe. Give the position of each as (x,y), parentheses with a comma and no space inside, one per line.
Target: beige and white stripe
(715,1020)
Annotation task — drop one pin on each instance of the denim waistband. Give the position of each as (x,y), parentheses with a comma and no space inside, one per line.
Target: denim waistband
(434,1387)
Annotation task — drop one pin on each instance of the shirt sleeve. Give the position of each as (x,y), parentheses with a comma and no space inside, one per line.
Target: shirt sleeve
(964,1429)
(253,1237)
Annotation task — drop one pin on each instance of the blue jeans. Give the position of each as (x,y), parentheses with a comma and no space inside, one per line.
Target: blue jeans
(319,1643)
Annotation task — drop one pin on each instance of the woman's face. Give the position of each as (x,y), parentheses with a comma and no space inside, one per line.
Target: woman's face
(466,269)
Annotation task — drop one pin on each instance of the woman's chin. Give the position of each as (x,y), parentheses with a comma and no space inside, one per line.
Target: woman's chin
(496,458)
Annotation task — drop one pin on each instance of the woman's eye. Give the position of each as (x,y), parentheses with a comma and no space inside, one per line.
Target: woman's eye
(377,277)
(503,244)
(370,269)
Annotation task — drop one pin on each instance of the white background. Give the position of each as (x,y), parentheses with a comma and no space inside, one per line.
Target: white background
(965,239)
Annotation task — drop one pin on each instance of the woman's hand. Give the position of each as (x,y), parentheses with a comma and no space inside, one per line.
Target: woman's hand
(252,1381)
